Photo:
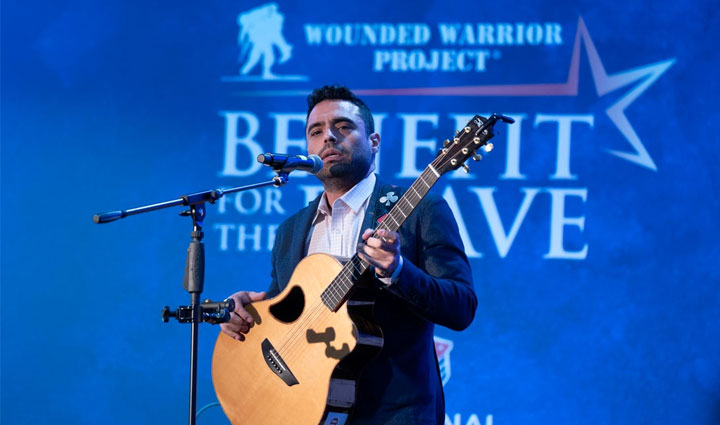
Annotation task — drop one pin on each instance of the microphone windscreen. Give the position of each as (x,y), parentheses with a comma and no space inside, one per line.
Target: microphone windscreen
(317,163)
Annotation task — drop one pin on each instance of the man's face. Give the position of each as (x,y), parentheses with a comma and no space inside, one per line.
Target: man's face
(336,132)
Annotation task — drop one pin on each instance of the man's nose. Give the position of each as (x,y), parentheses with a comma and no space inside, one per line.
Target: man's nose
(330,136)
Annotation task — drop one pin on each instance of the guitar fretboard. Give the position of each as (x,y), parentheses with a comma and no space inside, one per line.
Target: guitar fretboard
(339,289)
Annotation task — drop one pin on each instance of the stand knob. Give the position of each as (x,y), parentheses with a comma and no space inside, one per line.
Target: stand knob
(167,314)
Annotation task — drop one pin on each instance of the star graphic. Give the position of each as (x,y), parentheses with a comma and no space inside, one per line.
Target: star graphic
(604,84)
(643,76)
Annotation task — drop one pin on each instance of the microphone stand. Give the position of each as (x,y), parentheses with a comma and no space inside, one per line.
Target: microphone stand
(193,279)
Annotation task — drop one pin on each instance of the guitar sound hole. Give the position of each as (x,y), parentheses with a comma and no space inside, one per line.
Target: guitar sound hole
(291,307)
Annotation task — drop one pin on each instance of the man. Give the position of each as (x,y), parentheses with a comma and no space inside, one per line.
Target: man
(422,276)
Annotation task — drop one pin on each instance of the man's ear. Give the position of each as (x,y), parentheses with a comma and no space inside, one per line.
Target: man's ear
(374,142)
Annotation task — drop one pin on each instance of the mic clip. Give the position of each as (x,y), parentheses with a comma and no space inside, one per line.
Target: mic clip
(211,312)
(281,178)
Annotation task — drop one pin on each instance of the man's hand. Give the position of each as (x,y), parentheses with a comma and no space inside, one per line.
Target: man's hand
(382,251)
(240,319)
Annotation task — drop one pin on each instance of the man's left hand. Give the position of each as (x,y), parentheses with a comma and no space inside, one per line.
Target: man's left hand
(382,251)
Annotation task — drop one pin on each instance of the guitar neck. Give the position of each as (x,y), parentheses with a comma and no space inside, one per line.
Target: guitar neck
(339,289)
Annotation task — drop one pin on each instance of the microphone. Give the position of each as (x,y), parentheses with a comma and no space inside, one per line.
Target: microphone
(287,163)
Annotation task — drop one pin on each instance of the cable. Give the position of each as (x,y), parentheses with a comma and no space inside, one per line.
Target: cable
(204,408)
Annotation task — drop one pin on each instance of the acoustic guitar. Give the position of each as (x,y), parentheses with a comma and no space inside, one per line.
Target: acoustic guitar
(300,361)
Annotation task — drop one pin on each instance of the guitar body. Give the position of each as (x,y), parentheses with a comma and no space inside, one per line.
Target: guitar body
(300,360)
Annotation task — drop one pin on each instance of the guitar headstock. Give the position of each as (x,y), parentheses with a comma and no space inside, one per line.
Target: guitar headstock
(466,143)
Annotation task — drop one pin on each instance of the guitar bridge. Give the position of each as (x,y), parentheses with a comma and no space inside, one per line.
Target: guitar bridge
(276,363)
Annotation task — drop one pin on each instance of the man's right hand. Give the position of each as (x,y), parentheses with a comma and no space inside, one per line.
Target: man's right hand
(240,319)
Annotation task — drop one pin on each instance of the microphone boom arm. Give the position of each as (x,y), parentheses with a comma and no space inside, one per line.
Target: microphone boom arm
(210,196)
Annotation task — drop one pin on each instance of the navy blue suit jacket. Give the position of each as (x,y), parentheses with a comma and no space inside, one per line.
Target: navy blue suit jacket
(402,384)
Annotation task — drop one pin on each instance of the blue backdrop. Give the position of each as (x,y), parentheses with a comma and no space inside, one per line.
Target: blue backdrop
(591,228)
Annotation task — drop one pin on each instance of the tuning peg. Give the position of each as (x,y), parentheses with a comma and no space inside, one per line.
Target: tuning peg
(466,168)
(488,147)
(477,157)
(446,143)
(457,132)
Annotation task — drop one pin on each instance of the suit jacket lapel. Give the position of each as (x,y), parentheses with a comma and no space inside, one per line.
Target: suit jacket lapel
(383,198)
(296,250)
(369,219)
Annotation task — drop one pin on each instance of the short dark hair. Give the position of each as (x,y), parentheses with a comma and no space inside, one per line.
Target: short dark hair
(338,92)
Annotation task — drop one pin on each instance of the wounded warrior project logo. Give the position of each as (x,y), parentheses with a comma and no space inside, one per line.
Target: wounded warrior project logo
(260,37)
(396,47)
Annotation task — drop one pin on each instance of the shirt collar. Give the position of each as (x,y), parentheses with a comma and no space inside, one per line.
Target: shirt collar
(353,198)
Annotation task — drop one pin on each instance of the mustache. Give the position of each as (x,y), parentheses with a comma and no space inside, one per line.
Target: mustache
(333,149)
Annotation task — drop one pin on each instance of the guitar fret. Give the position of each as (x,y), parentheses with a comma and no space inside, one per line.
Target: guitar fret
(359,268)
(390,216)
(332,295)
(336,292)
(429,176)
(327,300)
(416,192)
(409,204)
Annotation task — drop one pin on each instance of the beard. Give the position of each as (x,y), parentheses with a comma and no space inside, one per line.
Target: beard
(347,173)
